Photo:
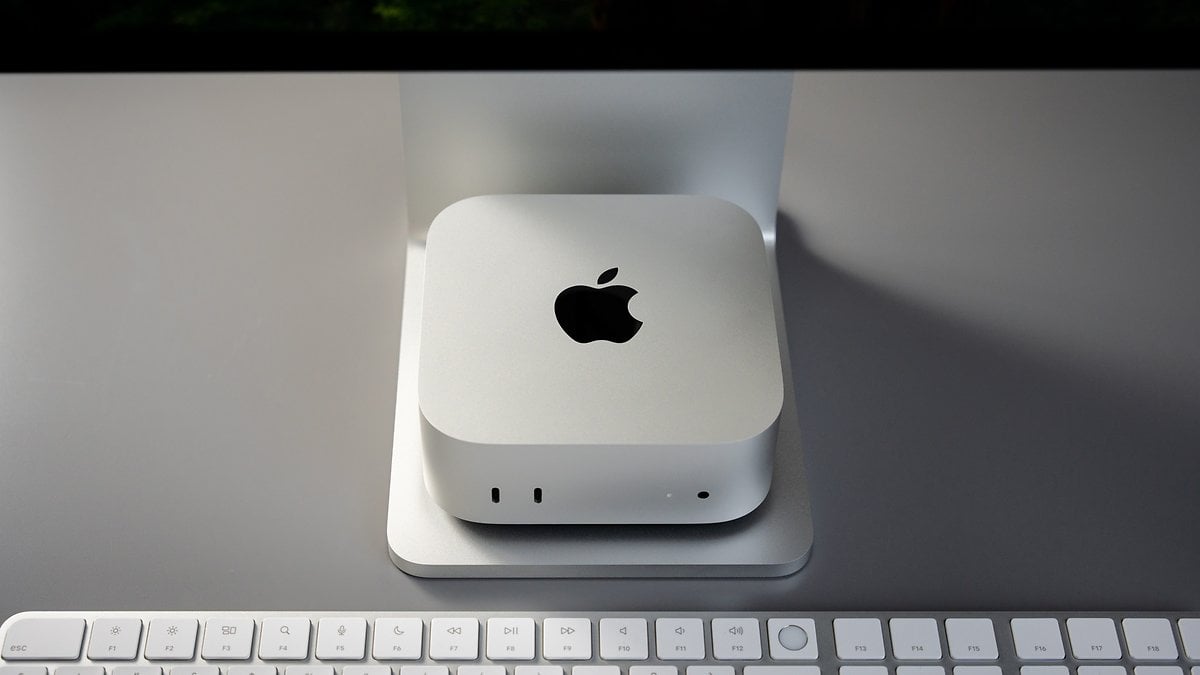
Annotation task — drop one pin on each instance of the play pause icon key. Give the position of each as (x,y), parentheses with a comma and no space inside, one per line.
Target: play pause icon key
(567,639)
(510,639)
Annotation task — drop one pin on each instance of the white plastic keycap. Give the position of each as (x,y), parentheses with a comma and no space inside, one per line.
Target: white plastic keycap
(624,640)
(93,670)
(171,639)
(114,639)
(29,669)
(1093,639)
(915,639)
(1044,670)
(971,640)
(736,640)
(679,639)
(920,670)
(1150,640)
(858,639)
(481,670)
(653,670)
(1038,639)
(397,639)
(284,639)
(1101,670)
(1189,631)
(510,639)
(190,670)
(227,639)
(310,669)
(365,670)
(781,670)
(978,670)
(44,639)
(710,670)
(423,670)
(136,670)
(863,670)
(596,670)
(454,639)
(567,639)
(792,639)
(260,669)
(527,670)
(341,638)
(1157,670)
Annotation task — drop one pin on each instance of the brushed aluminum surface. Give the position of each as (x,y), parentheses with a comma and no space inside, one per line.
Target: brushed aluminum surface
(423,540)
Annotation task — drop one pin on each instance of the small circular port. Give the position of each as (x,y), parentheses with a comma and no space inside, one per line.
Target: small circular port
(703,494)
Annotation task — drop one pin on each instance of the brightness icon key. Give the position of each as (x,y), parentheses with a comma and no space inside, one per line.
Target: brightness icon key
(114,639)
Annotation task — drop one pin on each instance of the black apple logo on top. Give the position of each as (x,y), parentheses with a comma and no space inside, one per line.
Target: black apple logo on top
(587,313)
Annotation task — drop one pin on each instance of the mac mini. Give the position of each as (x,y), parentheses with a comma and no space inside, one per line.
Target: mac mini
(598,359)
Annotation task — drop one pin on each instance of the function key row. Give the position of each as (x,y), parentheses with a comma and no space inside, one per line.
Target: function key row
(571,639)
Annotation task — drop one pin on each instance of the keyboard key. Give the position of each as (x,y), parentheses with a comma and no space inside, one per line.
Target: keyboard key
(284,639)
(80,670)
(426,670)
(192,670)
(977,670)
(781,670)
(920,670)
(49,639)
(308,670)
(1150,640)
(171,639)
(653,670)
(971,640)
(915,639)
(397,639)
(679,639)
(623,640)
(341,638)
(567,639)
(1101,670)
(482,670)
(709,670)
(510,639)
(28,670)
(454,639)
(360,670)
(1093,639)
(1044,670)
(227,639)
(736,640)
(137,670)
(115,639)
(254,670)
(862,670)
(792,639)
(1157,670)
(858,639)
(530,670)
(596,670)
(1189,630)
(1038,640)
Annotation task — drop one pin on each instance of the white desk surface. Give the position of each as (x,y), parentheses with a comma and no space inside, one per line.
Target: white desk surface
(990,282)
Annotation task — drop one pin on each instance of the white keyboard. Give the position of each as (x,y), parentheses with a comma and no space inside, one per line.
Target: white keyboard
(629,643)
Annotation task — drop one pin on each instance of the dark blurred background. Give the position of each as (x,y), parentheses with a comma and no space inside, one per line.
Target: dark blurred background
(594,15)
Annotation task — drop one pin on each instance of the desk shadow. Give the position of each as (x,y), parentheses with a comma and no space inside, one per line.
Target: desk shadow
(954,468)
(949,468)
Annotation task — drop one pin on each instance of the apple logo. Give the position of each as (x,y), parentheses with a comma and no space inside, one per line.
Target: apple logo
(587,313)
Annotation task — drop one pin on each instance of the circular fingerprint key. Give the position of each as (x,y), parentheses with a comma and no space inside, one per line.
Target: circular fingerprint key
(793,637)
